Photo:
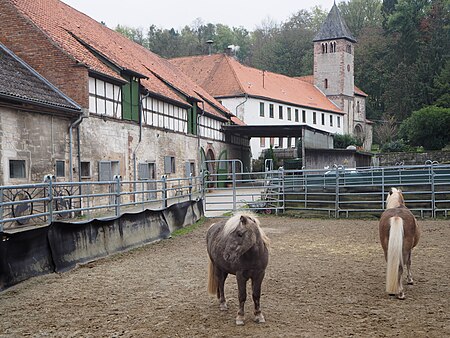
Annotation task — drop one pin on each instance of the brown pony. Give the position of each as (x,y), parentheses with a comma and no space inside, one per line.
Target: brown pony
(237,246)
(399,233)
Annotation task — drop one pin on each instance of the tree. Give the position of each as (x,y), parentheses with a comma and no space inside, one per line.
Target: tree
(428,127)
(343,141)
(360,14)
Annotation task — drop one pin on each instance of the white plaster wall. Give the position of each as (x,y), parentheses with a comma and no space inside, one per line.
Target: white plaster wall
(248,110)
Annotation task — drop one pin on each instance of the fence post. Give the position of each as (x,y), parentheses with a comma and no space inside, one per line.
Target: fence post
(433,193)
(336,201)
(164,190)
(233,170)
(281,190)
(117,179)
(1,209)
(190,187)
(49,179)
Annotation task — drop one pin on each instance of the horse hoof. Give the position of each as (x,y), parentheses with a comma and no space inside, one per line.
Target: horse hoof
(401,296)
(410,282)
(223,307)
(239,320)
(259,319)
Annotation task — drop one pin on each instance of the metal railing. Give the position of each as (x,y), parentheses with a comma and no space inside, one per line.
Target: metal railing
(337,192)
(42,203)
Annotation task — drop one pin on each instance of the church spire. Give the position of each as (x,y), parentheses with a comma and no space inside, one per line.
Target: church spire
(334,27)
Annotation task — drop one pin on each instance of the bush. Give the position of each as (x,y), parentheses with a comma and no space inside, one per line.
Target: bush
(428,127)
(343,141)
(392,147)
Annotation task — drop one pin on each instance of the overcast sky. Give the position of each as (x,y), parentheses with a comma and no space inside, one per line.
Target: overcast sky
(179,13)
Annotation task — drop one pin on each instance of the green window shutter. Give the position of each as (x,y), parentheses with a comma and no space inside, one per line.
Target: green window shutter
(192,120)
(130,100)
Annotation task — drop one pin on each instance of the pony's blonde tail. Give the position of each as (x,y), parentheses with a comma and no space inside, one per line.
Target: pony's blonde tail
(394,254)
(213,284)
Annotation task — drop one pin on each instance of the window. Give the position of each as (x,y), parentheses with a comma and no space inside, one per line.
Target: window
(60,169)
(331,120)
(272,141)
(146,171)
(169,164)
(289,142)
(262,142)
(189,168)
(338,121)
(85,169)
(326,83)
(17,169)
(323,119)
(349,49)
(261,109)
(304,116)
(271,111)
(296,115)
(280,112)
(107,170)
(280,142)
(289,117)
(314,118)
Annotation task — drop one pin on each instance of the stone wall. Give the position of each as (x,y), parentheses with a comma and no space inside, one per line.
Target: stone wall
(386,159)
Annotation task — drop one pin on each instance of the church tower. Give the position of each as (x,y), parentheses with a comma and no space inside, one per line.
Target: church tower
(333,64)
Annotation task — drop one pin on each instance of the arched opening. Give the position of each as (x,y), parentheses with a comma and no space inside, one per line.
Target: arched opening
(326,83)
(210,166)
(359,133)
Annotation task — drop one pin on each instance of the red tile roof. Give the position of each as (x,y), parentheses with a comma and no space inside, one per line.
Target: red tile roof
(310,79)
(85,39)
(223,76)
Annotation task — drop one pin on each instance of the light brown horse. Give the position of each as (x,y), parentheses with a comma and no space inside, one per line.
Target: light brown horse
(238,246)
(399,234)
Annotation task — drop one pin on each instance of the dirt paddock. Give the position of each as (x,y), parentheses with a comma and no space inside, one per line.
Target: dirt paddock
(325,278)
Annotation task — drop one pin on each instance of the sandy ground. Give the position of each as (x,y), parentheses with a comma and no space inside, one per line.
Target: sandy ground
(325,278)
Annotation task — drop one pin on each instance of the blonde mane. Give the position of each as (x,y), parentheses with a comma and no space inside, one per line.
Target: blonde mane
(394,199)
(234,221)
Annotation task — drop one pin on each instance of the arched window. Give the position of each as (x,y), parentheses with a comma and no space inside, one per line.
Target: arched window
(326,83)
(349,49)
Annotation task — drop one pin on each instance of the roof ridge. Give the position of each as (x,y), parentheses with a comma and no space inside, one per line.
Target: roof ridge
(234,73)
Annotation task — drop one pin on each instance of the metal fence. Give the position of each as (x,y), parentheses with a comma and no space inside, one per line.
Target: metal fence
(336,192)
(42,203)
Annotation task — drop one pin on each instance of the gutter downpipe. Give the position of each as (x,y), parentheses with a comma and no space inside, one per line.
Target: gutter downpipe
(240,104)
(198,136)
(75,124)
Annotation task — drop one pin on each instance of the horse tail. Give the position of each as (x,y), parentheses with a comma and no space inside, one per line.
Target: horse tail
(394,254)
(213,284)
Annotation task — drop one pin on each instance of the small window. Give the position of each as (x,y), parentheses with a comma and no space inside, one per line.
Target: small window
(280,112)
(326,83)
(271,111)
(338,121)
(289,117)
(169,164)
(314,118)
(304,116)
(107,170)
(323,119)
(146,171)
(261,109)
(189,168)
(85,169)
(296,116)
(17,169)
(280,142)
(60,168)
(331,120)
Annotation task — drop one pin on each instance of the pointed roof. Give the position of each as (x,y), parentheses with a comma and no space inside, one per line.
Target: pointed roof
(334,27)
(223,77)
(105,51)
(21,83)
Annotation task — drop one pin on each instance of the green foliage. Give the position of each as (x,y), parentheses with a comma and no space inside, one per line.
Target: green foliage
(345,140)
(428,127)
(393,146)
